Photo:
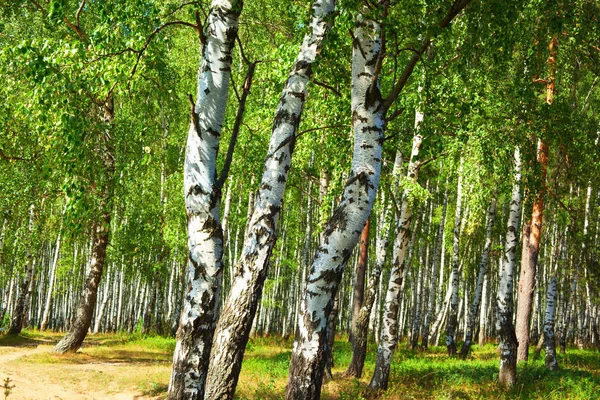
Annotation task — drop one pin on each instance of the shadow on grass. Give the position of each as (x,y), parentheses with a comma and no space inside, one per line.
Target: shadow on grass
(23,341)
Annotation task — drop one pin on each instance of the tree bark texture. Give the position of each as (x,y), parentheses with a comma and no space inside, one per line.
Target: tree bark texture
(359,337)
(344,228)
(19,316)
(72,341)
(454,275)
(528,269)
(549,337)
(202,198)
(235,322)
(507,376)
(389,327)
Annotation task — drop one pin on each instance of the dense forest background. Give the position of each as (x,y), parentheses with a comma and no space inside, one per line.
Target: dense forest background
(474,122)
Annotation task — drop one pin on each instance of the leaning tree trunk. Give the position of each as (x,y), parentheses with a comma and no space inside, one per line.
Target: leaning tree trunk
(549,338)
(454,275)
(507,376)
(19,311)
(72,341)
(389,327)
(359,337)
(202,198)
(235,322)
(483,267)
(343,229)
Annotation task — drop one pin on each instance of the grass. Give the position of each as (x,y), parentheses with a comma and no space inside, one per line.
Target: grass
(114,363)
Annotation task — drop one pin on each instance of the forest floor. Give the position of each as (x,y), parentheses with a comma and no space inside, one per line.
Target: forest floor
(135,367)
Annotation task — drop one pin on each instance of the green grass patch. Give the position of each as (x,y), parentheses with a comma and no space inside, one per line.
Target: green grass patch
(145,362)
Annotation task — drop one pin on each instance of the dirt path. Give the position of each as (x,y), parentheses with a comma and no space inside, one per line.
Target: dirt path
(36,381)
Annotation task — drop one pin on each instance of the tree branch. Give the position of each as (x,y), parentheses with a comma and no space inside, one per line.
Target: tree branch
(239,118)
(456,7)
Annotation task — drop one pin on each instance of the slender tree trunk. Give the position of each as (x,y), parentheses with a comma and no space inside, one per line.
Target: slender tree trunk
(100,230)
(46,315)
(454,275)
(348,220)
(434,274)
(19,310)
(389,327)
(549,339)
(235,322)
(507,376)
(79,328)
(483,268)
(359,343)
(528,270)
(331,324)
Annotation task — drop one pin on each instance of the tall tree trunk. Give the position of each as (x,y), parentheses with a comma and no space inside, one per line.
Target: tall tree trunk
(439,245)
(528,270)
(46,315)
(72,341)
(483,267)
(549,339)
(348,220)
(359,338)
(389,327)
(507,376)
(235,322)
(202,198)
(454,275)
(18,315)
(361,270)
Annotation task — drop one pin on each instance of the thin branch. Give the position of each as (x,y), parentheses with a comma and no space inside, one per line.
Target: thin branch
(395,114)
(151,36)
(425,162)
(78,14)
(456,8)
(38,6)
(6,157)
(326,86)
(239,118)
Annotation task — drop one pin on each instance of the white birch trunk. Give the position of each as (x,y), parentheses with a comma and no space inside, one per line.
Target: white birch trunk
(46,315)
(388,338)
(454,275)
(508,340)
(233,327)
(202,197)
(344,228)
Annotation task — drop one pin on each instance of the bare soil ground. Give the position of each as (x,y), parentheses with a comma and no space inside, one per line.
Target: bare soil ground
(95,372)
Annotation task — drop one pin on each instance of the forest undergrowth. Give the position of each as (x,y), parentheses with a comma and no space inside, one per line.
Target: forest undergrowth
(113,363)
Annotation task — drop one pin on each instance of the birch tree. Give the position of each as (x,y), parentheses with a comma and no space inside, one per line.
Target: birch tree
(202,197)
(343,229)
(508,340)
(235,321)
